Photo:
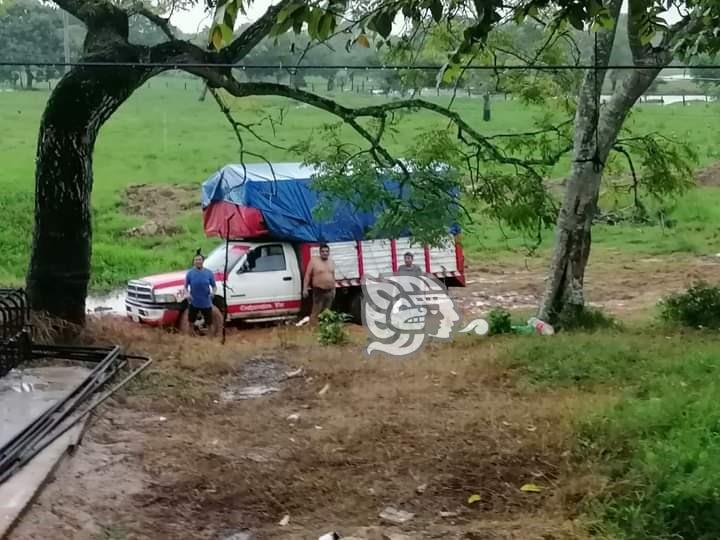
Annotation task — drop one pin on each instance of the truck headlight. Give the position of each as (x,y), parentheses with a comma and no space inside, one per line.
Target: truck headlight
(165,298)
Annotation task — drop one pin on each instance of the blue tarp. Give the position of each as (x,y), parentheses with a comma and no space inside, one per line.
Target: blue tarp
(285,197)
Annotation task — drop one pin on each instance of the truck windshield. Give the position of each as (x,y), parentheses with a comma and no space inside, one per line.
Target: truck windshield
(216,260)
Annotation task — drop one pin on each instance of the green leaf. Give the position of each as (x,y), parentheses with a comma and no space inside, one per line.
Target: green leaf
(575,20)
(474,498)
(282,27)
(382,23)
(216,37)
(326,26)
(298,21)
(314,22)
(451,73)
(287,12)
(226,33)
(436,9)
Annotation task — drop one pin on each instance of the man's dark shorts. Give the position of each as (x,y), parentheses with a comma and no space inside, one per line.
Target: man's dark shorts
(206,312)
(322,300)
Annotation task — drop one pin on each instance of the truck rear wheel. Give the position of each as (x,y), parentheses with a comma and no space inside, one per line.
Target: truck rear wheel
(356,307)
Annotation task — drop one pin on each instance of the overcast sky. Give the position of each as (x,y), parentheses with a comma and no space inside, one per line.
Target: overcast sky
(193,20)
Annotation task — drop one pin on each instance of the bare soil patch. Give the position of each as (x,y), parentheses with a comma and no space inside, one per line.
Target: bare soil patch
(623,286)
(160,205)
(709,176)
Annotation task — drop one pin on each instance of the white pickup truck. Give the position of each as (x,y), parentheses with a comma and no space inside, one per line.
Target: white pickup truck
(264,279)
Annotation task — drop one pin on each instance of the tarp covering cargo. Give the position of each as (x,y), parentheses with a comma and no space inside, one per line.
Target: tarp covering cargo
(279,201)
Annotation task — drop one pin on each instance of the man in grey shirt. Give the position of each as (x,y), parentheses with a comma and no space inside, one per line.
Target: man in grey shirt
(409,268)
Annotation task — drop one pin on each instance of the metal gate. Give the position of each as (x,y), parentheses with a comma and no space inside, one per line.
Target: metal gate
(15,337)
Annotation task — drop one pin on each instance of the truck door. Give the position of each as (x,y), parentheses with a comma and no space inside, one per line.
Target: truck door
(267,283)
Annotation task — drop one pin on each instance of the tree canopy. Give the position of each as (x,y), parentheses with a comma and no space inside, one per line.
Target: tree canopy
(29,29)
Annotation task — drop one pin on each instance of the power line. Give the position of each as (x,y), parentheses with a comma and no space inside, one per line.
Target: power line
(393,67)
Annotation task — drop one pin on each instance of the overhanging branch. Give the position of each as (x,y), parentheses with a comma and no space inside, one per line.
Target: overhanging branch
(254,34)
(162,23)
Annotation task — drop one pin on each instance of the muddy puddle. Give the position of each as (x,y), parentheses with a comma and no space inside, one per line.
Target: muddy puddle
(27,393)
(112,303)
(259,377)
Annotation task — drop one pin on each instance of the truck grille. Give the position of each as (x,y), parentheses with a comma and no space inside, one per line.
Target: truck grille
(140,291)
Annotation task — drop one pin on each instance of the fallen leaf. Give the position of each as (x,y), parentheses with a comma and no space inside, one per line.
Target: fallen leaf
(531,488)
(324,390)
(284,521)
(363,41)
(474,498)
(421,489)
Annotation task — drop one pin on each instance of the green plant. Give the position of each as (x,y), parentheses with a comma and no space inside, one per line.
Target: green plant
(587,319)
(698,307)
(499,321)
(332,328)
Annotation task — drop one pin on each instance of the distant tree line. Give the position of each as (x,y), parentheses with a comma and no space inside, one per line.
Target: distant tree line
(32,30)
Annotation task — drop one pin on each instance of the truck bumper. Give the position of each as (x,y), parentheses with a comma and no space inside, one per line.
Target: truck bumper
(152,316)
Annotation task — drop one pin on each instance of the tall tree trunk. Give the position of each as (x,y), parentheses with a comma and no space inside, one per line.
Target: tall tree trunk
(59,271)
(565,281)
(564,288)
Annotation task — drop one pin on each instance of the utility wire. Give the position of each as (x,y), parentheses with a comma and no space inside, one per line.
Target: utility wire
(178,65)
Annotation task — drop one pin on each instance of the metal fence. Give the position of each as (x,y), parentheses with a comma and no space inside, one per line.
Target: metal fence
(15,337)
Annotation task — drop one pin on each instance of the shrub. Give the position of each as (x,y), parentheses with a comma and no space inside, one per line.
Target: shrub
(332,328)
(697,307)
(499,321)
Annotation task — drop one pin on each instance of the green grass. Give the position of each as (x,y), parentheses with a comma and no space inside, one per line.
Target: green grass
(658,444)
(164,134)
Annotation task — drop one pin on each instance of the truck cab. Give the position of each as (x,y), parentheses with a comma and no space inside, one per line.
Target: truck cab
(263,283)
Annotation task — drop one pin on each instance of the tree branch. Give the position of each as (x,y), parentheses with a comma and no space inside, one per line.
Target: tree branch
(253,34)
(97,14)
(161,22)
(241,125)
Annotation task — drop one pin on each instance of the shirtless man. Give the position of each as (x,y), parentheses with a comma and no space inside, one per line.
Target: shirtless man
(320,276)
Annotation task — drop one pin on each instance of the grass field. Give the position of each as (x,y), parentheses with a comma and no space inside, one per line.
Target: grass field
(165,135)
(619,427)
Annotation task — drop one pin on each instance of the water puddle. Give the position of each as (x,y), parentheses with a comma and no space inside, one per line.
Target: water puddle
(19,381)
(247,392)
(112,303)
(258,377)
(25,394)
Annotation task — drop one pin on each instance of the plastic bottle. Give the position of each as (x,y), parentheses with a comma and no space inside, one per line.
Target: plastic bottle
(542,328)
